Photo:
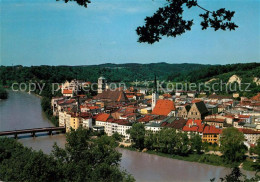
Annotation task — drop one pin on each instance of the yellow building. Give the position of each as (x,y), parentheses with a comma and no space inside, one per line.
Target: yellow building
(211,134)
(75,121)
(146,110)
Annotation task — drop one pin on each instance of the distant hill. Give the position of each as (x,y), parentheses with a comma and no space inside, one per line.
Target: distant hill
(247,72)
(130,72)
(113,72)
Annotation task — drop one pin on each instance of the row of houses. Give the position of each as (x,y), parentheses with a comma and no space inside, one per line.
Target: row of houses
(116,110)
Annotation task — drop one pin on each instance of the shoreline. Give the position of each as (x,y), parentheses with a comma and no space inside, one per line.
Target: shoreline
(182,158)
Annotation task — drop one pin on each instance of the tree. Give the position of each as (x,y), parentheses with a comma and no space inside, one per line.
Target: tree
(168,21)
(182,144)
(196,143)
(237,176)
(85,160)
(82,159)
(3,93)
(19,163)
(150,140)
(137,134)
(232,145)
(117,137)
(256,150)
(167,139)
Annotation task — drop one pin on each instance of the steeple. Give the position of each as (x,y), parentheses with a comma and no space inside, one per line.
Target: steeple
(155,96)
(155,84)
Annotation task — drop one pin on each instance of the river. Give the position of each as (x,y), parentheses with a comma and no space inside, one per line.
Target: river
(22,111)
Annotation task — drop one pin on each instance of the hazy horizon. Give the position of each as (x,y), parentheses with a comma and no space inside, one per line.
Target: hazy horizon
(128,63)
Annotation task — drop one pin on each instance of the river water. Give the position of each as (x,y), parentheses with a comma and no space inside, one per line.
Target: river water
(23,111)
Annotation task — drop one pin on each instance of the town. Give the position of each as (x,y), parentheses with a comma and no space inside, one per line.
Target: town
(115,110)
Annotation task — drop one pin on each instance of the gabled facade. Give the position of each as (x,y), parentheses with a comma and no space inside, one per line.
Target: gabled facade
(183,112)
(198,111)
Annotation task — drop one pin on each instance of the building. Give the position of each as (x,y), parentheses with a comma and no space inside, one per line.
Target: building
(164,108)
(118,126)
(64,120)
(102,83)
(218,123)
(102,119)
(115,96)
(152,126)
(67,92)
(75,121)
(146,110)
(198,111)
(251,136)
(173,122)
(86,120)
(112,126)
(211,134)
(193,126)
(183,111)
(155,95)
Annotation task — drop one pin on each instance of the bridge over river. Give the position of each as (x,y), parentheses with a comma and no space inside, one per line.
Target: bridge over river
(32,131)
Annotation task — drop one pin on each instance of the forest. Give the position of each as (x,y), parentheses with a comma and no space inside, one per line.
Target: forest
(127,72)
(131,72)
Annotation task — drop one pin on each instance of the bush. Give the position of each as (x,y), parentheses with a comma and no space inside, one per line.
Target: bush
(3,93)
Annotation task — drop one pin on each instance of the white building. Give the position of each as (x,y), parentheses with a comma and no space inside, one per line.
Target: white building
(64,119)
(87,122)
(154,127)
(101,84)
(112,126)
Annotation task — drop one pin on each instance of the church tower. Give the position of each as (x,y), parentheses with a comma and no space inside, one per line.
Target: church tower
(155,95)
(101,84)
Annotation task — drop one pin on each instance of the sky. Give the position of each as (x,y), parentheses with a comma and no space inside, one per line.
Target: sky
(50,32)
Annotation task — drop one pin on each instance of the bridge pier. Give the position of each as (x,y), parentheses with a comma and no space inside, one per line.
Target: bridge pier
(50,132)
(33,134)
(15,136)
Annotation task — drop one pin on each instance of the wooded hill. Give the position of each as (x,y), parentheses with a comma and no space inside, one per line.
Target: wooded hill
(129,72)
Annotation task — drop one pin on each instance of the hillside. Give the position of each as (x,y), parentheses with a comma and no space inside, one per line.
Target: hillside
(113,72)
(131,72)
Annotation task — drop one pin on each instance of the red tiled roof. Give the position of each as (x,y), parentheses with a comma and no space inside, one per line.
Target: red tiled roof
(196,127)
(214,120)
(117,95)
(93,107)
(163,107)
(121,122)
(211,130)
(67,91)
(248,131)
(147,118)
(102,117)
(177,124)
(229,116)
(167,95)
(70,101)
(149,101)
(256,98)
(243,116)
(195,100)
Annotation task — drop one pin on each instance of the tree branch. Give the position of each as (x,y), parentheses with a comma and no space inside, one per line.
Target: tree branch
(203,8)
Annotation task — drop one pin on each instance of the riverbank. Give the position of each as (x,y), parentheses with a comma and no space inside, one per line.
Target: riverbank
(143,166)
(209,159)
